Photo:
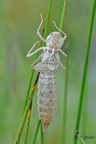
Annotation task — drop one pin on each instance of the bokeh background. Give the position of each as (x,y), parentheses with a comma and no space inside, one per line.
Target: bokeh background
(19,20)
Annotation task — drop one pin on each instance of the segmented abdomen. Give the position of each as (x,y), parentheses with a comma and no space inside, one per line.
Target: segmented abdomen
(47,98)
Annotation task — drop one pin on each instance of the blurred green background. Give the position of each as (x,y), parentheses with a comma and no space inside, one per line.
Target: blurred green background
(19,20)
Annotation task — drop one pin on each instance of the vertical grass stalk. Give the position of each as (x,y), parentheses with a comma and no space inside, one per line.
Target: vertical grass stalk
(65,103)
(32,74)
(66,79)
(28,91)
(45,34)
(30,109)
(42,135)
(26,102)
(22,123)
(85,66)
(63,15)
(48,18)
(36,132)
(28,123)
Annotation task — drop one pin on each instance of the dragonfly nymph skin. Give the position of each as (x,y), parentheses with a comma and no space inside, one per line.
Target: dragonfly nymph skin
(47,89)
(47,98)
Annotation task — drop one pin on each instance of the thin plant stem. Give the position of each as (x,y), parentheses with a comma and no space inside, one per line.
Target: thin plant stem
(65,103)
(28,123)
(36,132)
(66,79)
(45,34)
(28,91)
(22,123)
(63,15)
(48,18)
(85,65)
(32,74)
(42,135)
(30,109)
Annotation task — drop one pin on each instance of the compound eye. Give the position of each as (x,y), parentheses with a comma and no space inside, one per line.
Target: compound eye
(51,33)
(48,38)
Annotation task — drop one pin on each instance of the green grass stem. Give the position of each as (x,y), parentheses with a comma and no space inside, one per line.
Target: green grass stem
(66,80)
(29,116)
(63,15)
(65,103)
(42,135)
(85,66)
(28,124)
(28,91)
(36,132)
(31,78)
(29,87)
(45,34)
(22,123)
(48,18)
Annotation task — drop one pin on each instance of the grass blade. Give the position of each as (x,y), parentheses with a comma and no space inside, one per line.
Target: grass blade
(42,135)
(32,74)
(48,18)
(35,135)
(26,101)
(45,34)
(63,15)
(65,103)
(28,123)
(85,66)
(28,91)
(22,123)
(66,79)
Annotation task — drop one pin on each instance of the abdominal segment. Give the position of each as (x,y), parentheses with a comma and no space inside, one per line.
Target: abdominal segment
(47,99)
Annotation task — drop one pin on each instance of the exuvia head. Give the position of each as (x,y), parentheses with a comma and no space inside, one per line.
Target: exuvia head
(54,40)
